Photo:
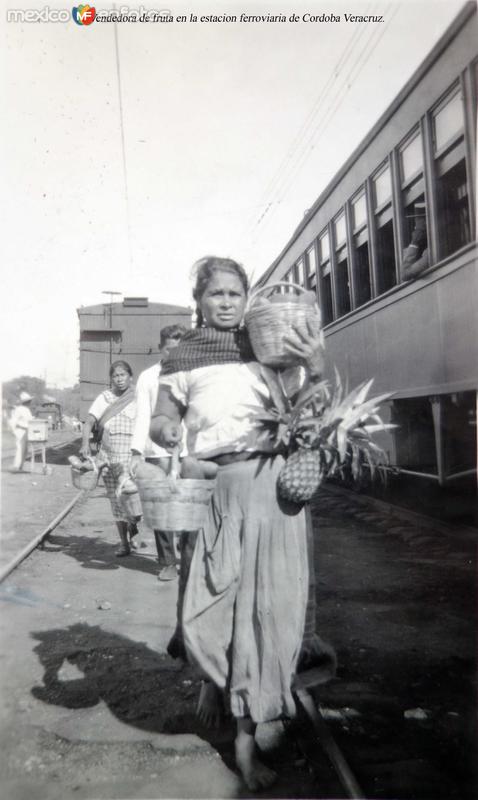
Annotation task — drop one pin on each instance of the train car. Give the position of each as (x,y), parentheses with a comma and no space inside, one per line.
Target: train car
(390,249)
(52,412)
(128,330)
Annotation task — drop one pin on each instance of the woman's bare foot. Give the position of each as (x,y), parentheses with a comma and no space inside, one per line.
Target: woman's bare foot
(210,709)
(256,775)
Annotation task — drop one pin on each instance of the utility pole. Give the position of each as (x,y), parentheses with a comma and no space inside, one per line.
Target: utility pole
(111,295)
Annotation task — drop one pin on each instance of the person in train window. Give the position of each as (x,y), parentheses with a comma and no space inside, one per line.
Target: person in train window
(143,448)
(113,414)
(415,256)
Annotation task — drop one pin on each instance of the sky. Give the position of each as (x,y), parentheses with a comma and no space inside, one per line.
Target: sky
(123,165)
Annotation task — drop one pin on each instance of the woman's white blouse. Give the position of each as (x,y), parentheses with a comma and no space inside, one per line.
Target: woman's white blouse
(222,404)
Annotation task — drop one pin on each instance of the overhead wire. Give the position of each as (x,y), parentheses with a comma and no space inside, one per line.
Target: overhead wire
(301,156)
(320,129)
(309,119)
(123,145)
(346,53)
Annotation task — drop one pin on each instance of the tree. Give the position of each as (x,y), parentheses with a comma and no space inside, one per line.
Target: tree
(69,398)
(25,383)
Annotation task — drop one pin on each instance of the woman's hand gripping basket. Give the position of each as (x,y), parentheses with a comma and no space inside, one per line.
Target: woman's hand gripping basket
(84,475)
(171,503)
(127,494)
(269,320)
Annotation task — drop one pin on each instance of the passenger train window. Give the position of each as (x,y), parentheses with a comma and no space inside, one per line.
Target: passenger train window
(448,121)
(382,191)
(340,230)
(343,286)
(342,274)
(299,272)
(363,289)
(359,211)
(324,247)
(311,270)
(287,278)
(325,279)
(451,175)
(415,254)
(411,158)
(382,184)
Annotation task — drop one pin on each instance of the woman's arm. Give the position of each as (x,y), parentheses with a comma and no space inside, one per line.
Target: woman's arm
(165,429)
(85,449)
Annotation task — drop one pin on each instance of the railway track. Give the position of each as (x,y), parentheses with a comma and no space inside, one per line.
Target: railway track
(9,452)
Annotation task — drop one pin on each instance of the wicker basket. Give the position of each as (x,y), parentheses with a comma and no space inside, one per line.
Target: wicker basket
(172,504)
(269,324)
(85,480)
(129,500)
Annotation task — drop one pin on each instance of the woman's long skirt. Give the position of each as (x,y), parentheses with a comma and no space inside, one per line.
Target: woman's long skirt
(118,456)
(245,602)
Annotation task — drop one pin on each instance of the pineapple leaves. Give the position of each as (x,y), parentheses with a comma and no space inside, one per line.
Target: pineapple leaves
(336,424)
(276,388)
(311,392)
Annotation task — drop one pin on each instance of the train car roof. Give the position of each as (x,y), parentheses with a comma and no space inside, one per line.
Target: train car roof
(150,309)
(462,17)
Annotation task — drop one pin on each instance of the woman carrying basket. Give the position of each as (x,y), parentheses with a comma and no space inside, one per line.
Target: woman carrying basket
(113,413)
(245,601)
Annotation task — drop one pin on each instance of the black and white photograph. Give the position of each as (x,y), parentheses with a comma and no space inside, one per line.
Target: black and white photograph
(239,380)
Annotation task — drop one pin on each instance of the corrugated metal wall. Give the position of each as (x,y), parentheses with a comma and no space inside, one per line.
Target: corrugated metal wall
(122,332)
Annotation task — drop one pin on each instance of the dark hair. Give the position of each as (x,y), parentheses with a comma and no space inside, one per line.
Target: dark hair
(205,268)
(171,332)
(123,364)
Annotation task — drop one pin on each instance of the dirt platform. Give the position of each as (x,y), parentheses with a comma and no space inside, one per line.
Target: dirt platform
(94,708)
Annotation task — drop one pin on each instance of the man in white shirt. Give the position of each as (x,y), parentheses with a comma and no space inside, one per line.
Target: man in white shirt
(18,423)
(143,448)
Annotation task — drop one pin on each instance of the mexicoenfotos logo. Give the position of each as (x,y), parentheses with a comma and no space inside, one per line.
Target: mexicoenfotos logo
(83,15)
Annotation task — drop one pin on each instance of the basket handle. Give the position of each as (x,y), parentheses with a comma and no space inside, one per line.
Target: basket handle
(124,478)
(174,470)
(93,462)
(270,288)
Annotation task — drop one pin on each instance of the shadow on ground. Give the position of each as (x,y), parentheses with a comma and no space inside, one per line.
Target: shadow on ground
(92,552)
(145,689)
(61,454)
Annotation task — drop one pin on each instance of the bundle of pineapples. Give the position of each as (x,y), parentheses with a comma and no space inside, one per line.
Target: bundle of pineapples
(323,432)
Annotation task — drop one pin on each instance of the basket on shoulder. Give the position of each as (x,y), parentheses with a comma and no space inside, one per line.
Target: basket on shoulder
(178,500)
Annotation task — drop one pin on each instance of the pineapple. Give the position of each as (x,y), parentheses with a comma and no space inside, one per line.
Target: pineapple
(301,475)
(322,433)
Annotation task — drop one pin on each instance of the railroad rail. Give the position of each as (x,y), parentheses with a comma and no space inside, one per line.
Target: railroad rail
(39,538)
(9,452)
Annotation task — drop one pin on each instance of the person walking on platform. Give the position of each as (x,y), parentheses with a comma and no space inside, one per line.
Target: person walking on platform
(18,423)
(113,413)
(143,448)
(245,602)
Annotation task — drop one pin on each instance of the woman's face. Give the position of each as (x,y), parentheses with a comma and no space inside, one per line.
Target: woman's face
(222,304)
(120,379)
